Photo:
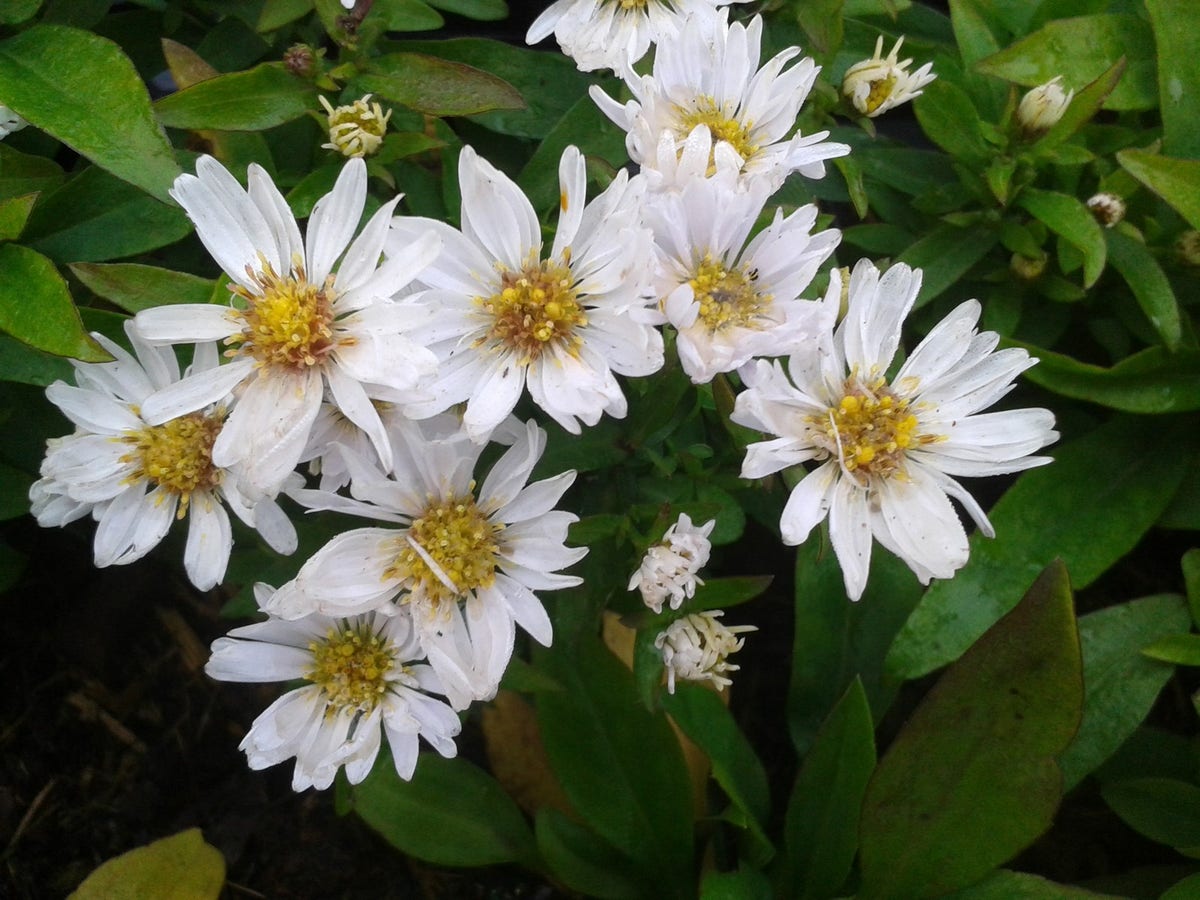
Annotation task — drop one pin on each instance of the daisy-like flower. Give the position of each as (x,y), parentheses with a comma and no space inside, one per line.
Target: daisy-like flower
(9,122)
(357,129)
(880,83)
(668,570)
(710,76)
(362,683)
(730,300)
(502,314)
(332,431)
(614,34)
(888,446)
(697,648)
(464,562)
(296,325)
(136,478)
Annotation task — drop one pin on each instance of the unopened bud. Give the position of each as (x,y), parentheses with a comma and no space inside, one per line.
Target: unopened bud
(1027,268)
(1187,246)
(300,60)
(1108,209)
(877,84)
(1043,106)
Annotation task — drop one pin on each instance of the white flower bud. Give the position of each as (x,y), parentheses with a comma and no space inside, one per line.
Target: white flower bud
(1109,209)
(696,647)
(877,84)
(669,568)
(1043,106)
(9,122)
(356,130)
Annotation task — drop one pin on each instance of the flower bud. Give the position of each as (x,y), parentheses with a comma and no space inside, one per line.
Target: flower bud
(696,648)
(300,60)
(1108,209)
(877,84)
(1027,268)
(1043,106)
(668,570)
(356,130)
(1187,248)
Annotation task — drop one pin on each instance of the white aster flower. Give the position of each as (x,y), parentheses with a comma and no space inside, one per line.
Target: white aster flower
(881,83)
(889,446)
(331,430)
(357,129)
(9,122)
(668,570)
(614,34)
(502,314)
(731,300)
(297,325)
(1043,106)
(464,561)
(697,648)
(710,76)
(362,684)
(136,478)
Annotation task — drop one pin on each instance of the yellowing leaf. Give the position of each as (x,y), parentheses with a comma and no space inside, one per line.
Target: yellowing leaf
(180,867)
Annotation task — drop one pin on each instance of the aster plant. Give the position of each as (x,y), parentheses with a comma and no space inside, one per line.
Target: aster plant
(567,394)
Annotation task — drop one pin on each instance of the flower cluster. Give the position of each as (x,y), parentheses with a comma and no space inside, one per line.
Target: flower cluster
(391,356)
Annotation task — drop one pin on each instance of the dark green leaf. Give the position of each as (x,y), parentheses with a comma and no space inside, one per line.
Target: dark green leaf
(21,363)
(96,217)
(12,562)
(262,97)
(1150,381)
(14,492)
(944,255)
(1188,889)
(950,120)
(136,287)
(438,87)
(821,830)
(1163,809)
(1178,649)
(719,593)
(22,174)
(36,307)
(1005,885)
(1191,581)
(452,813)
(1062,510)
(744,884)
(584,861)
(479,10)
(83,90)
(1081,49)
(620,765)
(1120,684)
(1149,285)
(821,21)
(277,13)
(14,213)
(975,41)
(971,778)
(1184,509)
(1174,180)
(1065,215)
(1178,49)
(14,12)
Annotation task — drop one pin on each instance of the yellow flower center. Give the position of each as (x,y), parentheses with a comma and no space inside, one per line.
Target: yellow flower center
(881,89)
(722,127)
(351,665)
(535,308)
(177,455)
(871,428)
(356,130)
(288,322)
(631,4)
(461,542)
(727,296)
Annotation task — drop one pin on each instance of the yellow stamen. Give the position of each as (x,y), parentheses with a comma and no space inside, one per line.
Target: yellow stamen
(288,322)
(727,296)
(351,665)
(535,308)
(721,125)
(177,455)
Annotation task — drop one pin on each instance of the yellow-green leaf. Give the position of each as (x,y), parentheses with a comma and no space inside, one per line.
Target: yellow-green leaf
(180,867)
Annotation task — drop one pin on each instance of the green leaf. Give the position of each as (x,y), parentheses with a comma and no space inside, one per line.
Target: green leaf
(258,98)
(821,829)
(1149,285)
(735,765)
(975,41)
(14,213)
(83,90)
(136,287)
(12,562)
(182,866)
(1120,684)
(1005,885)
(744,884)
(1174,180)
(96,217)
(437,87)
(1162,809)
(1065,215)
(1065,509)
(1179,649)
(21,363)
(1081,49)
(16,11)
(1190,563)
(277,13)
(452,813)
(950,120)
(1179,101)
(1086,103)
(21,173)
(821,21)
(720,593)
(945,254)
(14,492)
(1187,889)
(620,765)
(1150,381)
(971,778)
(479,10)
(584,861)
(36,307)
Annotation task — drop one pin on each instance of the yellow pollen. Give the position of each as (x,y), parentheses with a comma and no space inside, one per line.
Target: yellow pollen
(881,89)
(727,296)
(722,127)
(458,537)
(288,322)
(872,428)
(177,455)
(632,4)
(535,308)
(351,665)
